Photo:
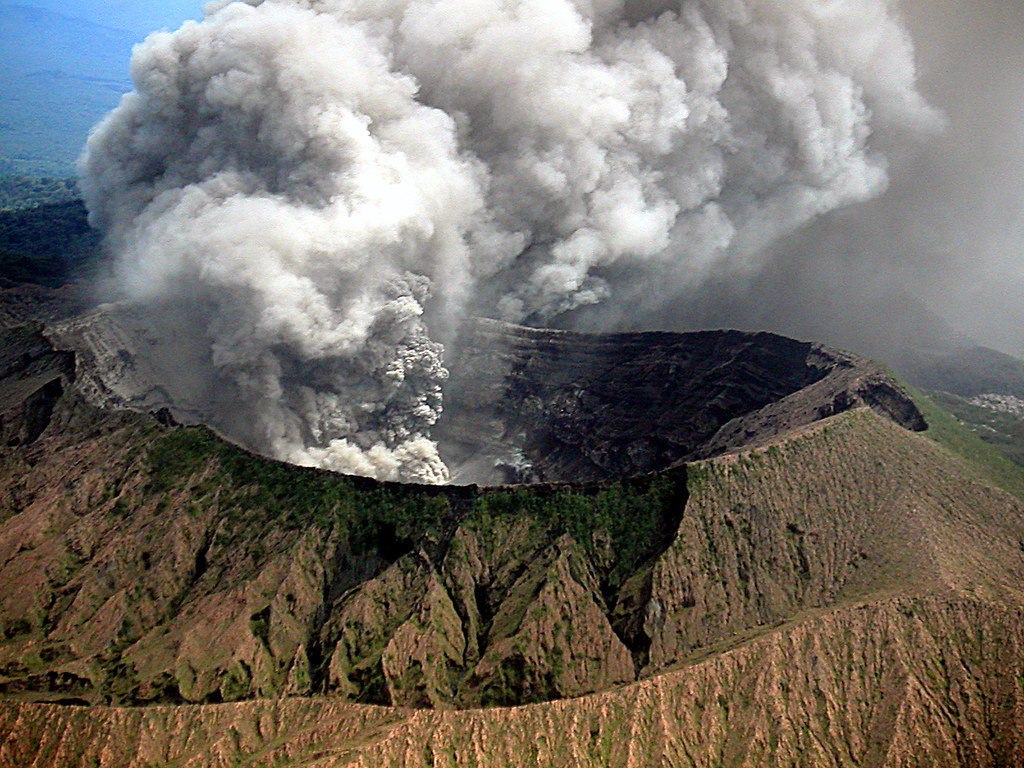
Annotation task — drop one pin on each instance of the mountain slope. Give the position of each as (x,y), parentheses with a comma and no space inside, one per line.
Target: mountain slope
(894,684)
(174,566)
(929,678)
(846,593)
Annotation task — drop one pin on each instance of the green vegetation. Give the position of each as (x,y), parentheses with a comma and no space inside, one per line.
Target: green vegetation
(945,429)
(637,514)
(511,686)
(236,684)
(971,371)
(1001,430)
(248,487)
(46,244)
(25,192)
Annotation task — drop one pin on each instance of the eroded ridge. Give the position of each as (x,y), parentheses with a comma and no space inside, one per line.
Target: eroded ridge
(840,579)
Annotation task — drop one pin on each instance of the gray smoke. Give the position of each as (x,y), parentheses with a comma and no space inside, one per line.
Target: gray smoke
(335,183)
(935,261)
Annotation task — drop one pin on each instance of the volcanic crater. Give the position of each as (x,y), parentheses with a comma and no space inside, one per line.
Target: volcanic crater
(533,405)
(737,502)
(528,405)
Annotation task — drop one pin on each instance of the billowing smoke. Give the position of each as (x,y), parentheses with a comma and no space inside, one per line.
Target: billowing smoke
(330,184)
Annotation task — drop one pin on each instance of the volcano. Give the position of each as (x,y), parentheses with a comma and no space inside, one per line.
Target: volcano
(716,548)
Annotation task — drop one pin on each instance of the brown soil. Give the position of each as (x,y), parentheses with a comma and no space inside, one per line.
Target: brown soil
(846,594)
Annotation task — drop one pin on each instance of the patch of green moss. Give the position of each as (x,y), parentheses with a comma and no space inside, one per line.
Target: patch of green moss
(178,454)
(259,625)
(237,683)
(252,490)
(372,684)
(16,627)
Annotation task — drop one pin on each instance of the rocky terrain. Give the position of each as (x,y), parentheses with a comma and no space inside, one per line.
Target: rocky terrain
(540,405)
(525,405)
(33,377)
(905,682)
(804,581)
(22,303)
(159,563)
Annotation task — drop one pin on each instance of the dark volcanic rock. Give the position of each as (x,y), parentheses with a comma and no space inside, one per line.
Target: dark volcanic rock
(33,376)
(532,405)
(22,303)
(541,405)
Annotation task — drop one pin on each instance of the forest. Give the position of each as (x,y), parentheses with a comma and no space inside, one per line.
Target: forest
(45,237)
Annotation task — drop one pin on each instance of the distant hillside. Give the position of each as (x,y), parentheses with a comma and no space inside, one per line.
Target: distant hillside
(45,238)
(981,387)
(66,64)
(138,16)
(25,192)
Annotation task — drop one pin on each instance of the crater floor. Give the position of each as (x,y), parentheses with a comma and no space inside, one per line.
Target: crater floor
(531,405)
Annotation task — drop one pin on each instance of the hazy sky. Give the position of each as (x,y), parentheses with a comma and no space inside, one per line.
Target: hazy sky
(951,228)
(948,233)
(962,199)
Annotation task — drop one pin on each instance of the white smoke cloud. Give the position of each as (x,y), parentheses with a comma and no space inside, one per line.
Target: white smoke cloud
(309,170)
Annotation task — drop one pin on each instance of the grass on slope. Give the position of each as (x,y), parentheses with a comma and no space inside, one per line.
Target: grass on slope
(637,513)
(947,431)
(999,429)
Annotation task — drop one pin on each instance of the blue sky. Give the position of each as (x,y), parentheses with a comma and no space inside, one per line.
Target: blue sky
(139,16)
(65,65)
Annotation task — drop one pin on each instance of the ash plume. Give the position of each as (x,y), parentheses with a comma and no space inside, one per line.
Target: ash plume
(330,185)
